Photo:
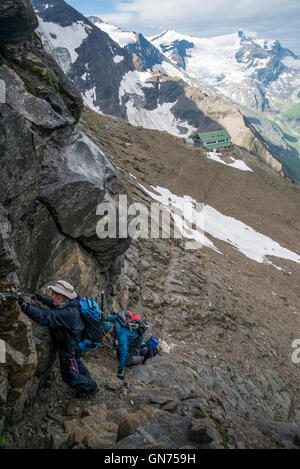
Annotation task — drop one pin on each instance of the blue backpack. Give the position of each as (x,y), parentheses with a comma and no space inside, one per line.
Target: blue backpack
(153,343)
(94,319)
(149,349)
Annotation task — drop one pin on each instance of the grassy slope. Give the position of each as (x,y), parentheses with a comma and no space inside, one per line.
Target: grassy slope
(291,130)
(285,122)
(293,113)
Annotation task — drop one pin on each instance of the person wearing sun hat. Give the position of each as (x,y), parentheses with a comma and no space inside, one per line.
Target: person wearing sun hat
(64,288)
(66,328)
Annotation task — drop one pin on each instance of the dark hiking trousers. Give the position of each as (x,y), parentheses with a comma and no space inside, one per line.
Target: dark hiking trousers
(134,357)
(82,383)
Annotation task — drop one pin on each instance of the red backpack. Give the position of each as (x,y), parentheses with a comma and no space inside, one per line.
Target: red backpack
(133,321)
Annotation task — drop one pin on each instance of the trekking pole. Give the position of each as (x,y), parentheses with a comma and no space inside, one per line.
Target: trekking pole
(103,316)
(102,300)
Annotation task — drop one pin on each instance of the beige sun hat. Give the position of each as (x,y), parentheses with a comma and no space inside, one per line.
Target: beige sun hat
(64,288)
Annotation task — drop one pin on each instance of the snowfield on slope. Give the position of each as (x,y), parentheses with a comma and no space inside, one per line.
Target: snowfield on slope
(209,59)
(89,99)
(242,237)
(133,83)
(123,38)
(160,118)
(68,37)
(235,60)
(237,164)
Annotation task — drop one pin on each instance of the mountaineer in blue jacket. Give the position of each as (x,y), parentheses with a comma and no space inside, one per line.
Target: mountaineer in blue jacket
(125,341)
(66,328)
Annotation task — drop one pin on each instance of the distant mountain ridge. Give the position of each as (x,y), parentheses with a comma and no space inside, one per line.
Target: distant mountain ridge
(113,80)
(123,74)
(260,76)
(135,43)
(87,55)
(232,62)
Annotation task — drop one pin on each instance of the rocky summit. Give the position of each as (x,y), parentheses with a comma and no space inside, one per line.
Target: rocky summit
(225,306)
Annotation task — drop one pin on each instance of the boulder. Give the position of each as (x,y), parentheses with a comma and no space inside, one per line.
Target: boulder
(93,435)
(170,407)
(33,109)
(286,435)
(203,433)
(161,400)
(166,375)
(167,431)
(132,422)
(17,21)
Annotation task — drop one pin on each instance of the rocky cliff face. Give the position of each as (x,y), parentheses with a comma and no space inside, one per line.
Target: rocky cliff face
(18,21)
(52,179)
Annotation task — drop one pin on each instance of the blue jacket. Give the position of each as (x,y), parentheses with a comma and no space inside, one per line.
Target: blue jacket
(126,338)
(65,323)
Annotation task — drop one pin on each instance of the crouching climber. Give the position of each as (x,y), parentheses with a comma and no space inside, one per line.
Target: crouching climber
(128,336)
(150,349)
(66,328)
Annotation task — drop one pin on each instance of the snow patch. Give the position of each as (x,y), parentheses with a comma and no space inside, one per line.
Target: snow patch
(165,347)
(160,118)
(208,56)
(68,37)
(118,59)
(89,98)
(266,44)
(242,237)
(133,82)
(238,164)
(292,63)
(123,38)
(172,71)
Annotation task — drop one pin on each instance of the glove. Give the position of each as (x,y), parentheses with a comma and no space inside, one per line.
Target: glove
(73,368)
(22,303)
(37,297)
(120,375)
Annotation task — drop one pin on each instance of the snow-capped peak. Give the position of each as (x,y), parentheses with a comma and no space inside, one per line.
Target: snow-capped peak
(242,66)
(123,38)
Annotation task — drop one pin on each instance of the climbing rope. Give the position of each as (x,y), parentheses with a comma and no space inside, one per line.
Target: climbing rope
(12,293)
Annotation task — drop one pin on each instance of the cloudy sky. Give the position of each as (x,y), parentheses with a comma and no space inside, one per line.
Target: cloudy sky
(271,19)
